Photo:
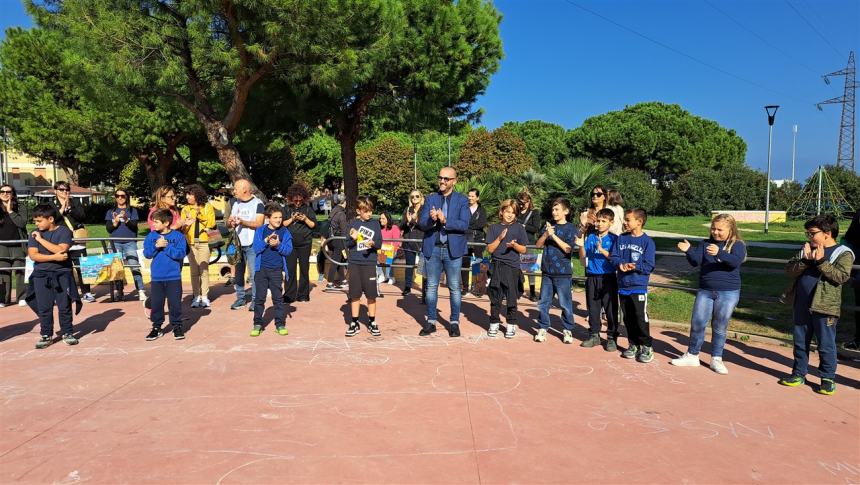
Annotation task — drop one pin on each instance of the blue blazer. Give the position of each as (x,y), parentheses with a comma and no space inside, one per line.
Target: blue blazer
(456,224)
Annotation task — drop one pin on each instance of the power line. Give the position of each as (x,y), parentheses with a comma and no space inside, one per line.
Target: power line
(682,53)
(814,29)
(759,37)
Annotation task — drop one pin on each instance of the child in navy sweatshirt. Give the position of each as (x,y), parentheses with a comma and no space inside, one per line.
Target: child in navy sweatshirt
(166,248)
(634,256)
(363,243)
(719,258)
(273,243)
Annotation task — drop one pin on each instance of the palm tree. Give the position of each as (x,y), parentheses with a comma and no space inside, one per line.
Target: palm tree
(574,178)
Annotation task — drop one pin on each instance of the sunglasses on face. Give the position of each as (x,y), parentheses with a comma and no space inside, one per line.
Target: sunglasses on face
(61,189)
(446,179)
(597,194)
(416,196)
(120,196)
(5,191)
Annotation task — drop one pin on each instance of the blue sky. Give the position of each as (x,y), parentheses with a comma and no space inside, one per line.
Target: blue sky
(720,59)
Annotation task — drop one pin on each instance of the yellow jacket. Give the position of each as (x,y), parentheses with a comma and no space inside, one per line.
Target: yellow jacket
(206,218)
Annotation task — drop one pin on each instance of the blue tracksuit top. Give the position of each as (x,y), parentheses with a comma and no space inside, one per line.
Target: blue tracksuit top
(166,261)
(596,263)
(284,249)
(633,249)
(721,272)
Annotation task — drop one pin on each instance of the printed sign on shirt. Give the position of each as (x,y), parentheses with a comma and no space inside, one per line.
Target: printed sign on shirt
(365,238)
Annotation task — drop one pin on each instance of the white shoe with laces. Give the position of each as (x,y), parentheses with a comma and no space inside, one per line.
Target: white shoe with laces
(686,360)
(718,366)
(196,303)
(204,302)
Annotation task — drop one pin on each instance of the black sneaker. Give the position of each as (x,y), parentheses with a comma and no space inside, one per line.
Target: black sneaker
(154,334)
(454,331)
(828,387)
(70,339)
(178,333)
(427,330)
(592,341)
(374,329)
(44,341)
(353,330)
(611,345)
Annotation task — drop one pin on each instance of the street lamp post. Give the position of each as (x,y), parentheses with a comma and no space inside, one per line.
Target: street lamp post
(793,149)
(449,141)
(771,114)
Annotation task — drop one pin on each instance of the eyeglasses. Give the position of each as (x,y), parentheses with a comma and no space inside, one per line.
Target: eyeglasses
(597,194)
(61,189)
(416,196)
(811,234)
(446,179)
(5,191)
(120,196)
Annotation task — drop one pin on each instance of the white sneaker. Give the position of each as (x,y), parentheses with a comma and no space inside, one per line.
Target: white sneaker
(204,302)
(686,360)
(141,295)
(511,331)
(196,302)
(493,330)
(541,335)
(89,297)
(568,337)
(391,281)
(718,366)
(22,302)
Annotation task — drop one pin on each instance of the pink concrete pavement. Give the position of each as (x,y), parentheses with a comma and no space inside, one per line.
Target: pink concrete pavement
(316,407)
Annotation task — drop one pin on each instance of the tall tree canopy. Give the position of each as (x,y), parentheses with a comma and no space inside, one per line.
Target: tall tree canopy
(663,139)
(546,142)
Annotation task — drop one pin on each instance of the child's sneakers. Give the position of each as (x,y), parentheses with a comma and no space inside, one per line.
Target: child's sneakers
(374,329)
(255,332)
(686,360)
(631,352)
(282,330)
(70,339)
(196,303)
(611,345)
(792,381)
(540,336)
(154,334)
(567,336)
(493,330)
(718,366)
(828,387)
(178,333)
(141,295)
(645,355)
(511,331)
(353,330)
(204,302)
(44,341)
(593,340)
(237,304)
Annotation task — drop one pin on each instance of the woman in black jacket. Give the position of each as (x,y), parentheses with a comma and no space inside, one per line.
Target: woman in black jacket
(529,217)
(409,230)
(475,234)
(73,218)
(13,227)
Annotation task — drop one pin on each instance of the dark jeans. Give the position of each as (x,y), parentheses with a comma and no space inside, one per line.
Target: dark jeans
(11,256)
(635,310)
(47,294)
(298,285)
(172,291)
(269,279)
(856,284)
(558,285)
(601,293)
(806,325)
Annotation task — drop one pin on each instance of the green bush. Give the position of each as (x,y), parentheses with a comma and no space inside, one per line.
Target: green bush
(636,188)
(702,190)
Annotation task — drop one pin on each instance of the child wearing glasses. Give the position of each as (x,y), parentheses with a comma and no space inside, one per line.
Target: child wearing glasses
(818,271)
(719,258)
(121,222)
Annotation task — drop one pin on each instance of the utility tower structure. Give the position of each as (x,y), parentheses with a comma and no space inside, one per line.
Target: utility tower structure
(845,157)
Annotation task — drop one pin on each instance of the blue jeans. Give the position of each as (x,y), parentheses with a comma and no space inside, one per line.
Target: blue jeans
(440,259)
(824,328)
(128,249)
(716,306)
(559,285)
(249,257)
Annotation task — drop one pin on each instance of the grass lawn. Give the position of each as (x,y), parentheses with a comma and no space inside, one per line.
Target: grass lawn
(791,232)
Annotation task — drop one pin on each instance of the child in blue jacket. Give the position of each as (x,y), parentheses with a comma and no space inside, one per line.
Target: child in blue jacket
(272,244)
(166,248)
(634,256)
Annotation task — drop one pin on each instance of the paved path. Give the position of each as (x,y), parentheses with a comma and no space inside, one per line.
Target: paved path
(316,407)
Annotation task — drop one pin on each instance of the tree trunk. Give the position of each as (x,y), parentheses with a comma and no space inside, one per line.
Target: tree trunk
(350,169)
(228,154)
(155,177)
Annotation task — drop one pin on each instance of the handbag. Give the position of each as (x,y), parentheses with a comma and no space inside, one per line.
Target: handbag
(214,236)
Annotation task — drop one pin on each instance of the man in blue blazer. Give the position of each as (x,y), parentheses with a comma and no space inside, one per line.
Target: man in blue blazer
(444,220)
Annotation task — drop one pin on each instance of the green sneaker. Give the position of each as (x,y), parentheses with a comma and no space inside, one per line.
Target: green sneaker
(592,341)
(256,331)
(44,342)
(611,346)
(631,352)
(283,331)
(646,354)
(792,381)
(828,387)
